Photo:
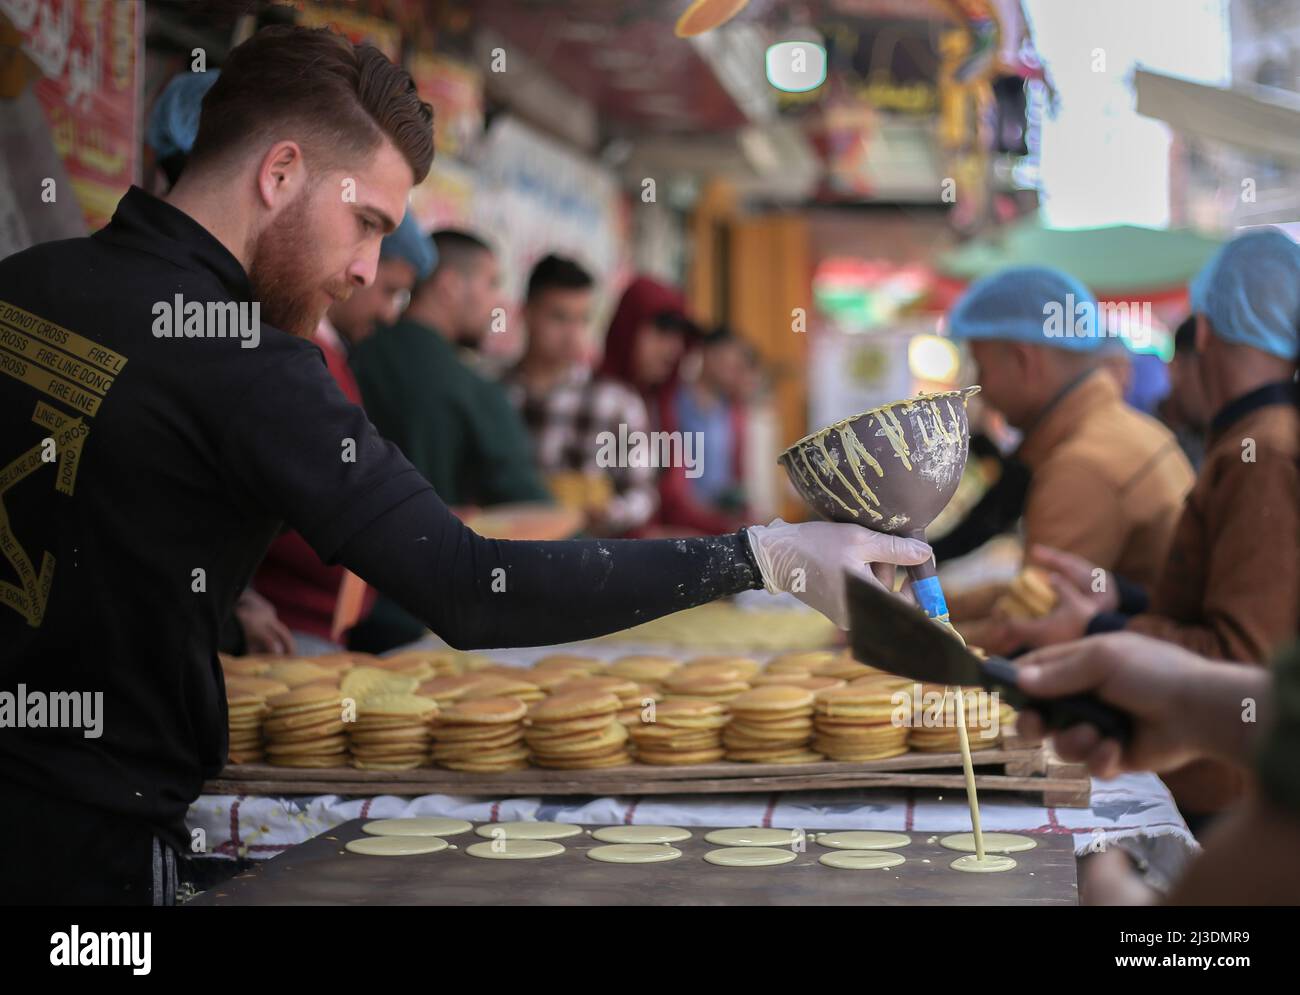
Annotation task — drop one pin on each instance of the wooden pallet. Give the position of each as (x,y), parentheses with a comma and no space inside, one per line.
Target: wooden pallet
(1025,767)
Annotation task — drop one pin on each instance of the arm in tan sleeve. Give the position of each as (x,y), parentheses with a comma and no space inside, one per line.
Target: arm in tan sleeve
(1071,506)
(1253,579)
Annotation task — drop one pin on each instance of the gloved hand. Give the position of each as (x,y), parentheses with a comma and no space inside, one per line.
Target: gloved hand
(809,560)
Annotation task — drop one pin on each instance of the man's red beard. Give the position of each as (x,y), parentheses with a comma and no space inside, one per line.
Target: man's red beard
(282,275)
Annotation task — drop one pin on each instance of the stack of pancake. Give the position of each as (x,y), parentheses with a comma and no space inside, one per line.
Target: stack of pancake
(305,728)
(684,732)
(502,683)
(855,722)
(1030,595)
(984,726)
(632,697)
(717,679)
(392,732)
(577,729)
(364,682)
(483,735)
(245,711)
(644,669)
(771,724)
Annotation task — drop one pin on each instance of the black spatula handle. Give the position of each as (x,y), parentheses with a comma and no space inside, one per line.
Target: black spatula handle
(1058,713)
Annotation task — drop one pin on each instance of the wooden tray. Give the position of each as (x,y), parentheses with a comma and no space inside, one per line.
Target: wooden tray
(321,872)
(1013,767)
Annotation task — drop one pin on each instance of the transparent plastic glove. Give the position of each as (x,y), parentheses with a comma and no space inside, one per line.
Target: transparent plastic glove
(809,560)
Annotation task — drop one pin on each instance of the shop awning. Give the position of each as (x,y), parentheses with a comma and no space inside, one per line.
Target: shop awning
(1267,125)
(1115,261)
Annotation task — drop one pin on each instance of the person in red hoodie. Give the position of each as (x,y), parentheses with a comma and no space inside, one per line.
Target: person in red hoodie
(648,336)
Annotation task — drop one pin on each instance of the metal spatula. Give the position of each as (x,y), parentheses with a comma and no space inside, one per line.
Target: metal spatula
(891,634)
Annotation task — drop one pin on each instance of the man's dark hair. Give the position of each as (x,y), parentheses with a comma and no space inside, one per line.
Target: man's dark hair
(457,249)
(335,99)
(557,273)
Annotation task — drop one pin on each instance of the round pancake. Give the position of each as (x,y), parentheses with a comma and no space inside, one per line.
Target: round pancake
(749,856)
(362,763)
(569,660)
(474,733)
(485,711)
(808,662)
(634,853)
(861,860)
(567,705)
(992,862)
(773,698)
(862,839)
(318,731)
(993,842)
(395,846)
(519,849)
(643,668)
(321,745)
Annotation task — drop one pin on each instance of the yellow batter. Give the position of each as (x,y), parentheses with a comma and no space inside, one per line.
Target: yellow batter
(972,799)
(754,837)
(862,840)
(515,849)
(993,842)
(989,862)
(417,827)
(749,856)
(528,830)
(396,846)
(861,860)
(634,853)
(641,834)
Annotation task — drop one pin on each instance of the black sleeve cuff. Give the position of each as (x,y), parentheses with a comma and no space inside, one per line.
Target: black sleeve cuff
(1106,622)
(1133,598)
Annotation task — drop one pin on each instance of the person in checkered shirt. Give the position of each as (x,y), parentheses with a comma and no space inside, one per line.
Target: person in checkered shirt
(566,409)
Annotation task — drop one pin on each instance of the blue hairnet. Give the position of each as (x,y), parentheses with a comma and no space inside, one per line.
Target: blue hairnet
(408,243)
(1033,304)
(1250,292)
(174,120)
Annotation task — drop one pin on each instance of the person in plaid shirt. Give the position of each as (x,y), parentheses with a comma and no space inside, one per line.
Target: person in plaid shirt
(567,410)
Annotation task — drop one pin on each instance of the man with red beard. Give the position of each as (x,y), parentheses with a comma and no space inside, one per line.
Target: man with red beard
(165,415)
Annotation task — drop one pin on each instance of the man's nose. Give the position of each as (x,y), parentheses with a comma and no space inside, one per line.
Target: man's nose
(364,268)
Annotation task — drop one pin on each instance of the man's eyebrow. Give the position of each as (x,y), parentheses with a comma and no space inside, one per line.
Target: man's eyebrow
(387,223)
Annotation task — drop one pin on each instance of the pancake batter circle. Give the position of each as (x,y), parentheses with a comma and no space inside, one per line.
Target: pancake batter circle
(861,860)
(749,856)
(861,839)
(753,836)
(417,827)
(993,842)
(396,846)
(634,853)
(514,849)
(641,834)
(528,830)
(991,862)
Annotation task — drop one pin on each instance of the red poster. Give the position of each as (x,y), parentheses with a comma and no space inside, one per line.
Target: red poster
(88,54)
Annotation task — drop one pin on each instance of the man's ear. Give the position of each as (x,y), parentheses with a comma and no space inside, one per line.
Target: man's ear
(1202,339)
(281,174)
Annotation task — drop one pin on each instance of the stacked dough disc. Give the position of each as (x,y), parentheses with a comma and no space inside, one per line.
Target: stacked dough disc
(1030,595)
(632,697)
(483,735)
(856,722)
(935,734)
(245,711)
(652,670)
(717,679)
(771,724)
(685,731)
(392,732)
(577,729)
(305,728)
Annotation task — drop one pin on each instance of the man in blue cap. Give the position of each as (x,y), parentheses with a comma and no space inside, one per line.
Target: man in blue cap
(1231,583)
(1106,482)
(406,257)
